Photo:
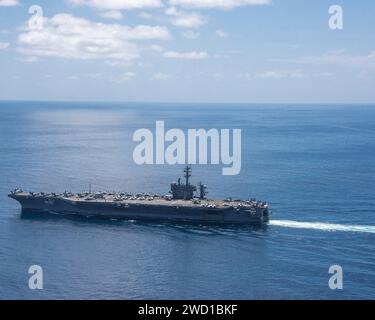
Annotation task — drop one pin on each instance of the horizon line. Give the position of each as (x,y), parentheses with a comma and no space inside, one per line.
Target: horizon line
(185,102)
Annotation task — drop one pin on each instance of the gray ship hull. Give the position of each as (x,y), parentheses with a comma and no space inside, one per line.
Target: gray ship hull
(163,211)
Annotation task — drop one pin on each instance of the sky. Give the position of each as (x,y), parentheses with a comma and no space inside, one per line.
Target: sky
(229,51)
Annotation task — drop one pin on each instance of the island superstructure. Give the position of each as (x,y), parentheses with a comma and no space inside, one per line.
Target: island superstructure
(184,203)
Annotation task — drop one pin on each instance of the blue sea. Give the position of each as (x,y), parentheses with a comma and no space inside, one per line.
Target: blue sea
(314,164)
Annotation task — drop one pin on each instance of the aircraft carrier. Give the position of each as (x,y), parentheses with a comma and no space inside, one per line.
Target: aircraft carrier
(185,203)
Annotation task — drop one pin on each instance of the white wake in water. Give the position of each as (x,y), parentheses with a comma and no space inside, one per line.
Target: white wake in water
(323,226)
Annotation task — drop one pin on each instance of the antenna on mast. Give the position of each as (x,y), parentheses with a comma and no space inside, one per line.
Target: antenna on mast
(187,174)
(183,191)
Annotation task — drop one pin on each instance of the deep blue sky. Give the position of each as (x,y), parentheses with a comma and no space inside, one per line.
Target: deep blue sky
(278,51)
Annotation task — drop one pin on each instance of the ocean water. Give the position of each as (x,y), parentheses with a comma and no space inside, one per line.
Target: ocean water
(314,164)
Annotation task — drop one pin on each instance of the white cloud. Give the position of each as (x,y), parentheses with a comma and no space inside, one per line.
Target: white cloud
(9,3)
(324,74)
(94,75)
(334,58)
(127,76)
(66,36)
(156,48)
(220,4)
(144,4)
(4,45)
(193,55)
(279,74)
(189,34)
(114,14)
(185,19)
(221,34)
(247,76)
(285,74)
(72,78)
(119,4)
(160,76)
